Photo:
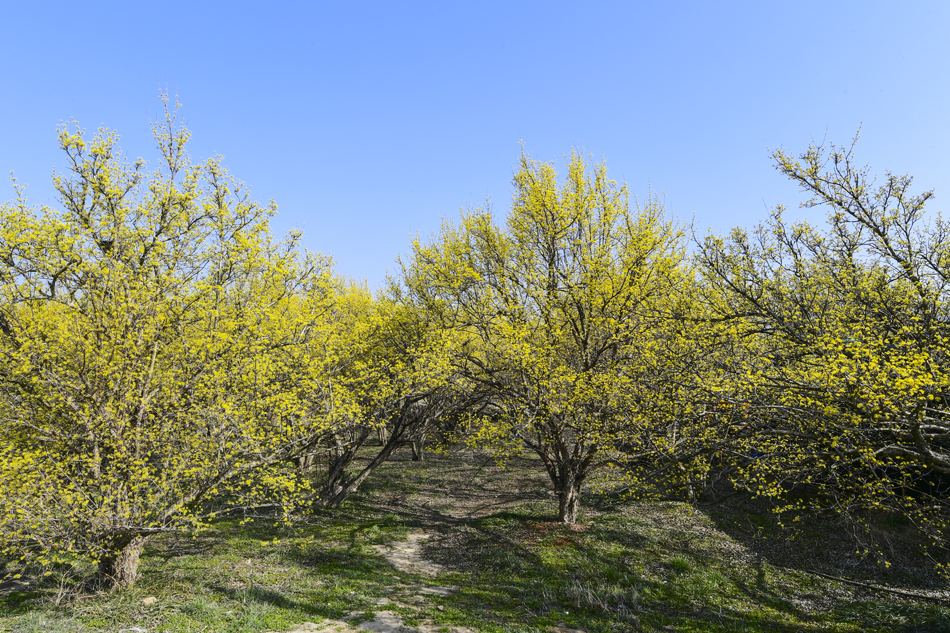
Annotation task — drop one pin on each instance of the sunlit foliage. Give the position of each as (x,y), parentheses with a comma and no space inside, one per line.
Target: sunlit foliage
(394,369)
(843,363)
(153,358)
(165,361)
(558,316)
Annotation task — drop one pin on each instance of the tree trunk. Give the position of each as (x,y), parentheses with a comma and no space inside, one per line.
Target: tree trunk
(567,475)
(306,463)
(120,569)
(340,458)
(336,476)
(345,489)
(418,450)
(569,502)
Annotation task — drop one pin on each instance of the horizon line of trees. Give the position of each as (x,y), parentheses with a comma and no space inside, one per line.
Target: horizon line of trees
(165,361)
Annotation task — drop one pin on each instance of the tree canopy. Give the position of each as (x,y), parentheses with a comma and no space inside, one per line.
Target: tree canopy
(843,362)
(151,339)
(165,361)
(557,315)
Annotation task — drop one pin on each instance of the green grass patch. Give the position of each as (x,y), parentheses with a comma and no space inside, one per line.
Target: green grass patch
(629,567)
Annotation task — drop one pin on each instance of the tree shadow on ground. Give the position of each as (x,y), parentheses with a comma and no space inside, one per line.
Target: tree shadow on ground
(826,544)
(497,550)
(500,553)
(178,546)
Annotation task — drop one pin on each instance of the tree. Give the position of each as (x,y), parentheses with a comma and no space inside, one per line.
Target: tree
(151,334)
(845,334)
(678,448)
(392,370)
(555,316)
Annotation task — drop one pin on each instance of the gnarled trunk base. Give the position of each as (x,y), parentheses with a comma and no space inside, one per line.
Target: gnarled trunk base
(568,477)
(569,504)
(121,568)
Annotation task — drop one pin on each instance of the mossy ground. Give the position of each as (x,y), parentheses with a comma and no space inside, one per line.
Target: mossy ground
(661,566)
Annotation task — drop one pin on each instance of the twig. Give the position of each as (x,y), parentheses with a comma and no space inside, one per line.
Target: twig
(898,592)
(479,469)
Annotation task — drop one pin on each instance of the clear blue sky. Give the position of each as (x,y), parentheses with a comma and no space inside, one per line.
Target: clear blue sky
(369,122)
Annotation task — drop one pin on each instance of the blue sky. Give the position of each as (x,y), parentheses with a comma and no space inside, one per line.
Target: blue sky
(368,122)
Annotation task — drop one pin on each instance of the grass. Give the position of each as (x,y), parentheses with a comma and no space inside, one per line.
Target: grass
(661,566)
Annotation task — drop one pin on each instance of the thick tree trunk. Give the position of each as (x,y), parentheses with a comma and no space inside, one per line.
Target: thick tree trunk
(569,505)
(121,568)
(338,461)
(336,477)
(418,450)
(567,473)
(569,499)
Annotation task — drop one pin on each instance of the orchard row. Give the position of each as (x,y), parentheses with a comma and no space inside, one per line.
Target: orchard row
(164,361)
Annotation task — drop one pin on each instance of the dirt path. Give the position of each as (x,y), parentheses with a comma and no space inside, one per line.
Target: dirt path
(384,622)
(467,496)
(406,556)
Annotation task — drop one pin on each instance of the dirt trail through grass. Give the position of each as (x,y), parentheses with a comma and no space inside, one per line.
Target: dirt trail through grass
(384,622)
(405,556)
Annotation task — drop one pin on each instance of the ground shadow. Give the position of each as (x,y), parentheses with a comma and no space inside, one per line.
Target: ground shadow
(811,542)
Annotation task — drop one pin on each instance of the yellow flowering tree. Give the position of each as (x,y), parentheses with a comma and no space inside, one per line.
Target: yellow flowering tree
(691,415)
(392,372)
(153,368)
(844,363)
(555,316)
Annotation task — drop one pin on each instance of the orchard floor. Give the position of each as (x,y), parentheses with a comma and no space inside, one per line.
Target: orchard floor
(459,545)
